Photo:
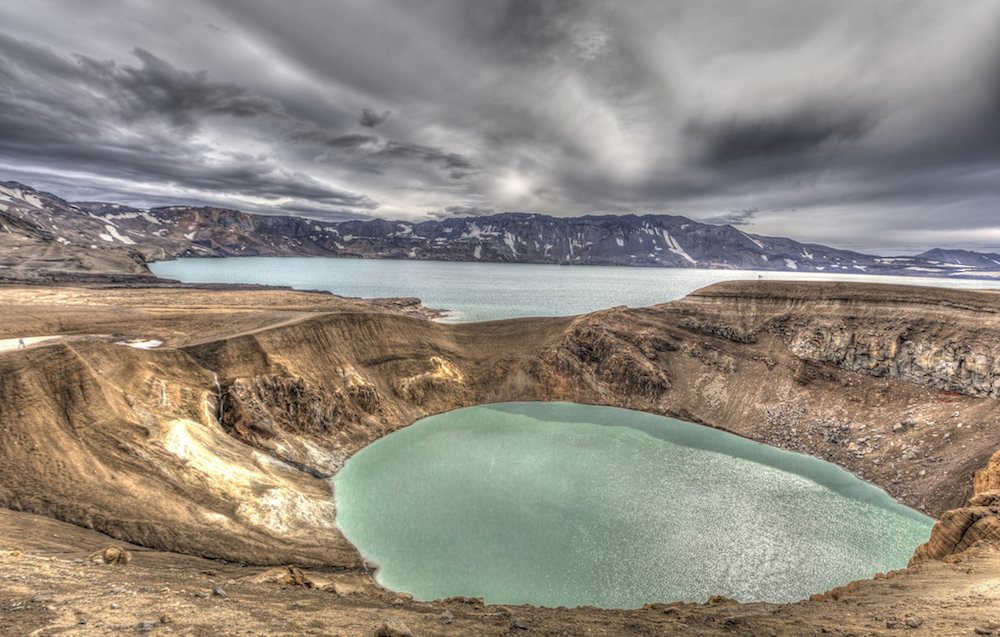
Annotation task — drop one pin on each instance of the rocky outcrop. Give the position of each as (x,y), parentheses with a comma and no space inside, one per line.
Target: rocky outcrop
(987,479)
(939,338)
(959,530)
(616,359)
(257,408)
(975,524)
(286,416)
(913,353)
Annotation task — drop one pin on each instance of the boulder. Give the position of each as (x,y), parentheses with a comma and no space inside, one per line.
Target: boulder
(111,555)
(393,628)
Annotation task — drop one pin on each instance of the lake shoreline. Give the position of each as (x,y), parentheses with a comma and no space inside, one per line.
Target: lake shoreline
(488,291)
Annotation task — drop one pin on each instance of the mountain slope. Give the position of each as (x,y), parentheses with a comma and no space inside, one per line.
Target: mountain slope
(126,236)
(986,260)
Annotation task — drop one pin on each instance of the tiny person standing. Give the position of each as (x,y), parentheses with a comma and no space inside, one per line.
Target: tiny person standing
(20,343)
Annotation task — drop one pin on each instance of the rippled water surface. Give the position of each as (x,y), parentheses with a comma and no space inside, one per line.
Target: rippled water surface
(486,291)
(560,504)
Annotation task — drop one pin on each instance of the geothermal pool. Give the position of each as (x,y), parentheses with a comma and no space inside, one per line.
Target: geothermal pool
(558,504)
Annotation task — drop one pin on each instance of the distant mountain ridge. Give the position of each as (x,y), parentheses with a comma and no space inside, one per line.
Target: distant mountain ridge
(55,226)
(969,258)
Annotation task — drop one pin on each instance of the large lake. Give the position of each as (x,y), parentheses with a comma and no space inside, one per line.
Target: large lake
(560,504)
(486,291)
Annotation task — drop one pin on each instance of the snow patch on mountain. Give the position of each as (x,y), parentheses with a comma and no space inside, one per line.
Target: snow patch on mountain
(675,247)
(113,231)
(751,239)
(508,238)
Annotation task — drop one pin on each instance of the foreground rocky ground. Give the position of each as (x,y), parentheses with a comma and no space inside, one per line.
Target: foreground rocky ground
(218,443)
(51,587)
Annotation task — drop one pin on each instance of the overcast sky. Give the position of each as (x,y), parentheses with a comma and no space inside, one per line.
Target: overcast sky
(870,124)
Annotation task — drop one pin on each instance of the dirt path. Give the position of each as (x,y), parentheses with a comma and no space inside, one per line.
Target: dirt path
(24,342)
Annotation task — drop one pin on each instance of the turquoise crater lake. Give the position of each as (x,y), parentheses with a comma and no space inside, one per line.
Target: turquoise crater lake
(560,504)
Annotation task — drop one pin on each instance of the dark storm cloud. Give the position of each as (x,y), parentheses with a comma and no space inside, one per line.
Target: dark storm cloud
(520,28)
(71,110)
(788,137)
(155,88)
(456,165)
(353,141)
(134,123)
(861,122)
(461,211)
(158,88)
(375,150)
(370,118)
(734,217)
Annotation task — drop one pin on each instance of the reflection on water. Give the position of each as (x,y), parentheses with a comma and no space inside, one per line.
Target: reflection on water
(560,504)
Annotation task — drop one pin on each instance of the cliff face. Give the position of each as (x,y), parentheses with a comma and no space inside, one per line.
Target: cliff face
(940,338)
